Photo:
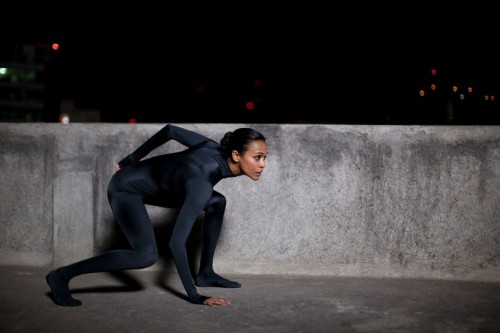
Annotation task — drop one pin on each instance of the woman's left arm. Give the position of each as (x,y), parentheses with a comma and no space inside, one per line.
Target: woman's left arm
(198,192)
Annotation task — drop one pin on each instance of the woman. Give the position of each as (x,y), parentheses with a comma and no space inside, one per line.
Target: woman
(182,180)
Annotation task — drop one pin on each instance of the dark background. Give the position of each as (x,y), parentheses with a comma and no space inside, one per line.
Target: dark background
(360,65)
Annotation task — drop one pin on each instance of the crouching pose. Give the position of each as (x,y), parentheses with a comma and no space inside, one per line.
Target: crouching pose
(182,180)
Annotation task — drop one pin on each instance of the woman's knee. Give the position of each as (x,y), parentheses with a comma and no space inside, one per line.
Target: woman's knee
(146,257)
(217,202)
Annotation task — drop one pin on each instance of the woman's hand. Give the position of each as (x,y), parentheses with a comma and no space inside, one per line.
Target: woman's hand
(213,301)
(117,168)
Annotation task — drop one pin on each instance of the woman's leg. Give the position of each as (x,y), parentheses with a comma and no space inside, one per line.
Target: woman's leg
(135,222)
(211,228)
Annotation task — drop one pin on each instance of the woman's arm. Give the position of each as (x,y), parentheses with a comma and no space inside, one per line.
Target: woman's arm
(198,192)
(167,133)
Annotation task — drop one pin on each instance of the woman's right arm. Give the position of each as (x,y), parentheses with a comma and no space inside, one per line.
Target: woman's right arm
(167,133)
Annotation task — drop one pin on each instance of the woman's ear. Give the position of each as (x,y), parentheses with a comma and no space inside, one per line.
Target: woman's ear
(235,156)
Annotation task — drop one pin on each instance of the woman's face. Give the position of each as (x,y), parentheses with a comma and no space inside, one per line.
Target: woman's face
(253,161)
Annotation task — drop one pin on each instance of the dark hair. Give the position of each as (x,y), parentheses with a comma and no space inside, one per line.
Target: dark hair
(239,140)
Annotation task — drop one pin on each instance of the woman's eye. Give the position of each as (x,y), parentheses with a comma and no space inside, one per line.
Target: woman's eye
(260,157)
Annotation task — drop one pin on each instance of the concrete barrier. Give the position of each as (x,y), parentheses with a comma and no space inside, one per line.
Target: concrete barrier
(382,201)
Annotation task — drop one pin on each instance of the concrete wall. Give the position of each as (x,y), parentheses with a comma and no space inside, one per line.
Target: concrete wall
(386,201)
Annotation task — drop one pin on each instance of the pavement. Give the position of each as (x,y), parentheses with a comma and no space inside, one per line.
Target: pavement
(153,301)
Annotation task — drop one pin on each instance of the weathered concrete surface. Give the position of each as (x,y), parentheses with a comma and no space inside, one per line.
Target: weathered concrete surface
(149,301)
(378,201)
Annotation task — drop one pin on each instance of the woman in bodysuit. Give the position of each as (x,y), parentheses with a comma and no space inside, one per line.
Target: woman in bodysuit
(182,180)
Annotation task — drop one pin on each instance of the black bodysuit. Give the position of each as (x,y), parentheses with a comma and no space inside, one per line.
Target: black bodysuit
(182,180)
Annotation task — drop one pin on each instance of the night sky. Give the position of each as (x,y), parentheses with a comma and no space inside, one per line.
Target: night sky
(316,65)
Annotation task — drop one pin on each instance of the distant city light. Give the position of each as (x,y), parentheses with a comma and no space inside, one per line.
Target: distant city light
(64,118)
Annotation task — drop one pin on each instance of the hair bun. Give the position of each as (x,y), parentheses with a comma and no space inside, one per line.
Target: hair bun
(225,140)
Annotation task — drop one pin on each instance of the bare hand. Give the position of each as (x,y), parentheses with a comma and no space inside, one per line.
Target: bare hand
(117,168)
(213,301)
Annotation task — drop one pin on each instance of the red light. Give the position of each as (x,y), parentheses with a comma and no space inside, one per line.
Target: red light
(55,46)
(433,71)
(250,105)
(132,121)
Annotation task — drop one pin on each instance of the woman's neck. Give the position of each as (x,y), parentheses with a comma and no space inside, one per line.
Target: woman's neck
(235,167)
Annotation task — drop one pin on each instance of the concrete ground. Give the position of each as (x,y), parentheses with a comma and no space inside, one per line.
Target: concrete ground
(150,301)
